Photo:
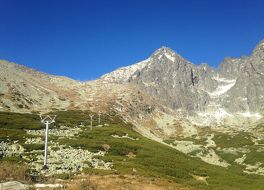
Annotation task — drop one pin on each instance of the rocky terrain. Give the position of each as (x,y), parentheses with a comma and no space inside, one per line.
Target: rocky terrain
(62,159)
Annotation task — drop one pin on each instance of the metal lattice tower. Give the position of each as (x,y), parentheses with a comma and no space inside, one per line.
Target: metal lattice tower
(47,120)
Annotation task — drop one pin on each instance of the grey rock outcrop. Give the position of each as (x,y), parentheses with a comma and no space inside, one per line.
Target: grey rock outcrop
(172,80)
(13,185)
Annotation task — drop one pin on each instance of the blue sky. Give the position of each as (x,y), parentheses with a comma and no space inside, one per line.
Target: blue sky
(84,39)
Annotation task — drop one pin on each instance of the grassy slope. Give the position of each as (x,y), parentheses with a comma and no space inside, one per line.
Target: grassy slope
(152,159)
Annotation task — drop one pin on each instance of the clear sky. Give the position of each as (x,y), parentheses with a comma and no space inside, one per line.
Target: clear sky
(84,39)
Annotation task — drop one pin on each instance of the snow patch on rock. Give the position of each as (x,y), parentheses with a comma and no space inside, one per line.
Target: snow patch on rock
(124,73)
(250,115)
(223,86)
(170,57)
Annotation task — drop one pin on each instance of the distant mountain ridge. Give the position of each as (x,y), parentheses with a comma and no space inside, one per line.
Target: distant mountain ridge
(164,86)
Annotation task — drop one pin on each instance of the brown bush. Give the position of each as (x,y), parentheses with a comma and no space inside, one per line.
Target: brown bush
(12,171)
(106,147)
(84,184)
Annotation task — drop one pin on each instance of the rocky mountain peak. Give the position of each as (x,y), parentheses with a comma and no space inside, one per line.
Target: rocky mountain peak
(159,58)
(163,50)
(165,54)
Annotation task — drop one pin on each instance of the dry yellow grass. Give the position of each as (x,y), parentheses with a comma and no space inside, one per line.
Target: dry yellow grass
(11,171)
(82,184)
(201,178)
(116,182)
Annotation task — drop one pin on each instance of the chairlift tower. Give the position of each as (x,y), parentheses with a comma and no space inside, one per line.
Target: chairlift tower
(91,121)
(99,117)
(47,120)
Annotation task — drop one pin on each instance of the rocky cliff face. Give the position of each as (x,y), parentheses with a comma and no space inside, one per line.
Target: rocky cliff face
(247,93)
(174,81)
(235,89)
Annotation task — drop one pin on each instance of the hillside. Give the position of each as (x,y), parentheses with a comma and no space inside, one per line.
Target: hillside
(114,148)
